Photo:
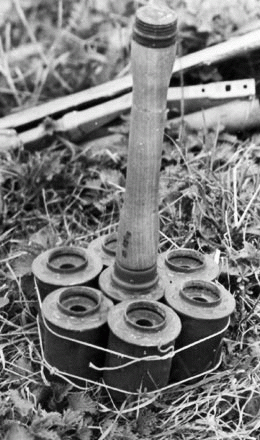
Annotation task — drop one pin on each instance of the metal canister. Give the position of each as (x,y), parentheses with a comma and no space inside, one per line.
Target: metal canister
(105,247)
(72,315)
(139,328)
(186,264)
(65,266)
(204,308)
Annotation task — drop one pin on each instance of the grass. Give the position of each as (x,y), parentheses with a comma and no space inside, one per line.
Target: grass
(67,193)
(197,209)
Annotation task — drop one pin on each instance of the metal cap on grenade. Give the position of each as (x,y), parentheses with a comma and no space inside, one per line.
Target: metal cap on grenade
(155,27)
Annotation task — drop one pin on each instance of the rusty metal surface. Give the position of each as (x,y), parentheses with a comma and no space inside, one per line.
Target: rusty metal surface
(105,247)
(186,264)
(79,313)
(65,266)
(118,293)
(140,328)
(204,308)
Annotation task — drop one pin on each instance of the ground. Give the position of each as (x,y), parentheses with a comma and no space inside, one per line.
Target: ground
(69,193)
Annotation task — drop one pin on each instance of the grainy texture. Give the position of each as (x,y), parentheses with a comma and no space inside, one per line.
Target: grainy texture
(139,221)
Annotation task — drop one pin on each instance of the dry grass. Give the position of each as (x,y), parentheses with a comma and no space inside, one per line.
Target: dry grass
(209,200)
(198,210)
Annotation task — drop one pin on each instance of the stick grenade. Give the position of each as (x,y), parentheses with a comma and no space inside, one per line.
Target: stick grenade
(153,51)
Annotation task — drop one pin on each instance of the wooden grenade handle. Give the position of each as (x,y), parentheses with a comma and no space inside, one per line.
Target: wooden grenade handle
(153,53)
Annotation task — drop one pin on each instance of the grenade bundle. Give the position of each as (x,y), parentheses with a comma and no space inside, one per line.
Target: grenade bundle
(118,313)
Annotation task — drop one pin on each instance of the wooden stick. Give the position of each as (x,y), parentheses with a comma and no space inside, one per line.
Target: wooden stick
(235,46)
(138,232)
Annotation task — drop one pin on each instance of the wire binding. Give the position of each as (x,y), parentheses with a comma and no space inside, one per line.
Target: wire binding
(66,377)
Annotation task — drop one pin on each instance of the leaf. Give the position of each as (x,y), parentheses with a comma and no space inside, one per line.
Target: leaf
(22,265)
(46,237)
(230,15)
(46,434)
(60,391)
(146,423)
(248,252)
(46,421)
(252,406)
(38,243)
(108,177)
(85,434)
(81,401)
(72,418)
(21,368)
(18,432)
(23,406)
(53,426)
